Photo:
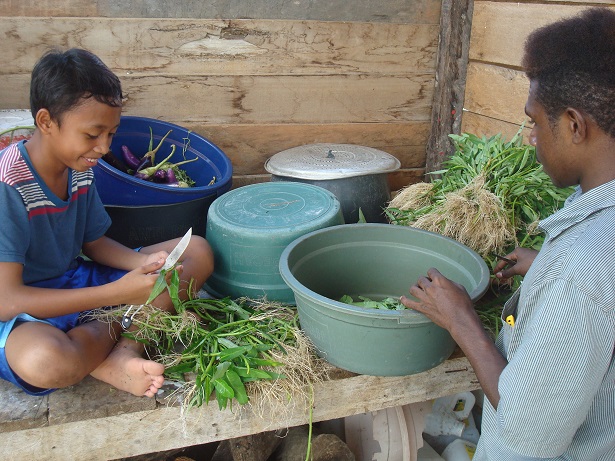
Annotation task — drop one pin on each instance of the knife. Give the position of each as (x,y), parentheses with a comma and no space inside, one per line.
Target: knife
(177,251)
(160,283)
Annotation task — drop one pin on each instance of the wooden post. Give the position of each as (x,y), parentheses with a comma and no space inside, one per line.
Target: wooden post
(451,68)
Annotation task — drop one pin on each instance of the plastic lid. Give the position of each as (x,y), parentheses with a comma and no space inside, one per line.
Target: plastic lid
(330,161)
(11,118)
(276,205)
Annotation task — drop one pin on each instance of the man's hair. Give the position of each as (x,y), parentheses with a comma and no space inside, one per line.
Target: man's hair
(62,79)
(573,62)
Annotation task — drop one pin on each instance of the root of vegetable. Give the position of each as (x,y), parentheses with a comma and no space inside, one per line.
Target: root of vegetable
(489,196)
(247,351)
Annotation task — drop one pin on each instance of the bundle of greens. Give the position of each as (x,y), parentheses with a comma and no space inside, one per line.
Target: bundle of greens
(489,196)
(225,349)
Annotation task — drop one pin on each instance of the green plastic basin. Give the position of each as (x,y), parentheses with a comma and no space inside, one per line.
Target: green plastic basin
(376,261)
(249,227)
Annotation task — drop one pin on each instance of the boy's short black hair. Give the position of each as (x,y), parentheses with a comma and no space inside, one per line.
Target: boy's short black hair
(573,62)
(61,79)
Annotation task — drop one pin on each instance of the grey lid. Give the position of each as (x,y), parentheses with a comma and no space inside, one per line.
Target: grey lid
(330,161)
(11,118)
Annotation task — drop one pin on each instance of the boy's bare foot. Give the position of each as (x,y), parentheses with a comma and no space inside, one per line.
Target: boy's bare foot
(126,370)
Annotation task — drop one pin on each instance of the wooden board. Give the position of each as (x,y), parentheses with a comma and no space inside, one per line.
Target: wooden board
(142,47)
(416,11)
(268,99)
(456,25)
(249,146)
(132,432)
(485,126)
(499,29)
(496,92)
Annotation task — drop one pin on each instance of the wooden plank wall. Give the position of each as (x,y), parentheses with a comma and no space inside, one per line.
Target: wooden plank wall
(496,88)
(252,86)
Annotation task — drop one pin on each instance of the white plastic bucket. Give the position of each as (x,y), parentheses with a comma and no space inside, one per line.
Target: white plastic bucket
(459,450)
(449,414)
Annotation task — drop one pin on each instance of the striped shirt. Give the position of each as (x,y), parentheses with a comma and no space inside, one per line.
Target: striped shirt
(37,228)
(557,393)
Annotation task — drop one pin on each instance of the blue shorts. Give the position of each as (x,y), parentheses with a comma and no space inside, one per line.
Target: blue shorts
(86,274)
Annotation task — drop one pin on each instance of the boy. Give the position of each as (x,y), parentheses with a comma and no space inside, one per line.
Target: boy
(550,378)
(50,213)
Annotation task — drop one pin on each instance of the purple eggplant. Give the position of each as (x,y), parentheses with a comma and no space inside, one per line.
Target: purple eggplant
(115,162)
(160,176)
(171,178)
(129,158)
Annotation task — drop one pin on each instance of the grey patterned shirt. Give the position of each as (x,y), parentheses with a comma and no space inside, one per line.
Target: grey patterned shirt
(557,393)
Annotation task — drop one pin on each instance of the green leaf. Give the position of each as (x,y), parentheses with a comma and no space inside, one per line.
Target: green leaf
(238,387)
(179,369)
(223,388)
(221,370)
(252,373)
(159,286)
(361,217)
(232,353)
(264,362)
(174,288)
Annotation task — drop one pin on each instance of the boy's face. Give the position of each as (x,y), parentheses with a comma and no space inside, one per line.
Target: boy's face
(84,134)
(552,150)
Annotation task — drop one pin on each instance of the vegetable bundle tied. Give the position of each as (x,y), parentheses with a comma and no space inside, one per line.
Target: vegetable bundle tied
(490,196)
(216,347)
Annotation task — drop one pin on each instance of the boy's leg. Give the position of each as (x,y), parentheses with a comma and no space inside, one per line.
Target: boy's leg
(47,358)
(126,369)
(197,262)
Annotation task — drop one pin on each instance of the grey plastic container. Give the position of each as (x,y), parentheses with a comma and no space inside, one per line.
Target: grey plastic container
(376,261)
(356,175)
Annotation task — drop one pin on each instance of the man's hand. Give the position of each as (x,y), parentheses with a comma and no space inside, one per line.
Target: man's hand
(440,299)
(524,258)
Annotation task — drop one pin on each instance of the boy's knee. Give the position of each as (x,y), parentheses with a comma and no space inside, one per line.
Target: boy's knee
(52,364)
(201,252)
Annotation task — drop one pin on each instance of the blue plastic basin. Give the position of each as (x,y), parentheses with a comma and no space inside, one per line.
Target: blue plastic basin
(121,189)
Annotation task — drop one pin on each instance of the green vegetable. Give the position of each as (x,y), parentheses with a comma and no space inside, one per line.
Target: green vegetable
(386,303)
(502,187)
(225,344)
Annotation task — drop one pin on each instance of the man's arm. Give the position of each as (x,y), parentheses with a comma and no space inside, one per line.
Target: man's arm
(448,305)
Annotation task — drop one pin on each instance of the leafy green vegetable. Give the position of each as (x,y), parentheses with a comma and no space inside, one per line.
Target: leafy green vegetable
(508,171)
(386,303)
(224,343)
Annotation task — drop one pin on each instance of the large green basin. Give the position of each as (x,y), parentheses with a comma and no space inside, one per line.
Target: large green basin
(376,261)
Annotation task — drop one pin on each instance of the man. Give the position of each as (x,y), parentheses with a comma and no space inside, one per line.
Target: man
(549,380)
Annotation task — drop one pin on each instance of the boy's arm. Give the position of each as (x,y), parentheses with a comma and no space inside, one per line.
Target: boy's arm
(16,298)
(110,253)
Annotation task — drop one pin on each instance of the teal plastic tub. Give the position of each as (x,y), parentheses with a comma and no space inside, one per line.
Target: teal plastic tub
(376,261)
(249,227)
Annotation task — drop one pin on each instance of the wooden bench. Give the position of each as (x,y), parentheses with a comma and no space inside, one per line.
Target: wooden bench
(95,421)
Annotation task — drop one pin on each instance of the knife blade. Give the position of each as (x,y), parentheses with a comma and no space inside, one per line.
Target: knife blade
(177,251)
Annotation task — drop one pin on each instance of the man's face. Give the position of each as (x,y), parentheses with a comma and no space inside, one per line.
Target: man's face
(549,139)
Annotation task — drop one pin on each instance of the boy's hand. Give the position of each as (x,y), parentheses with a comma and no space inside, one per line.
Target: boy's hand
(136,286)
(155,257)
